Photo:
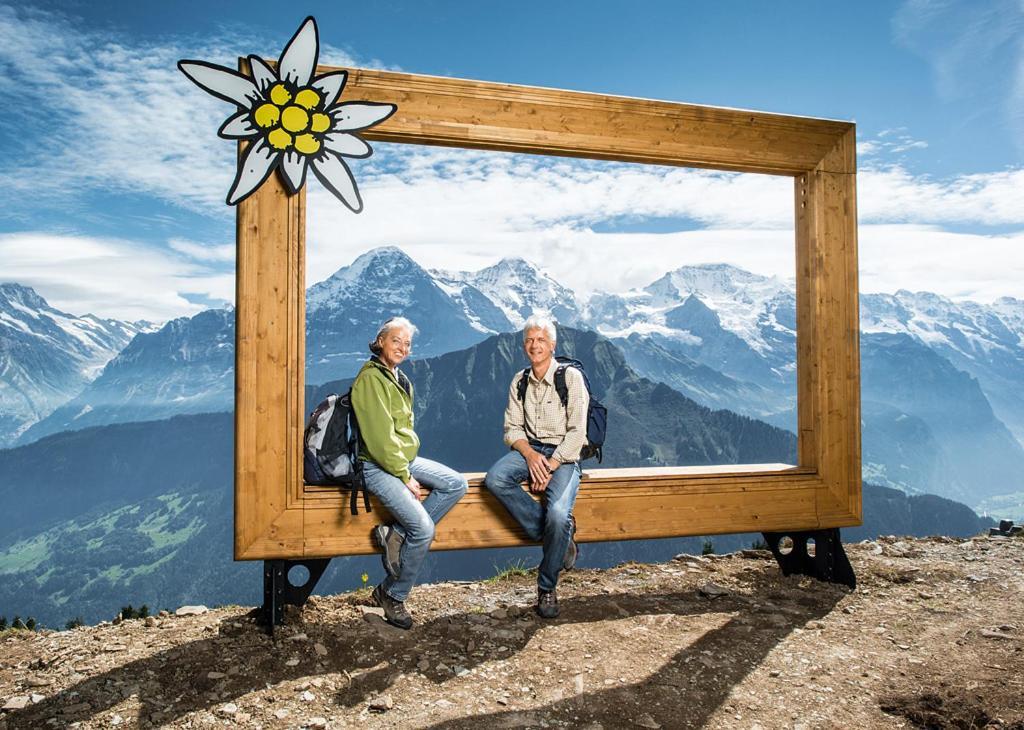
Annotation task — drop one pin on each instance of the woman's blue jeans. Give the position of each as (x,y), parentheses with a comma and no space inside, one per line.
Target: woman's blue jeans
(547,521)
(415,520)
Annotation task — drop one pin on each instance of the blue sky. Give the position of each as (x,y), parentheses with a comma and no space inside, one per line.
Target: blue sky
(115,178)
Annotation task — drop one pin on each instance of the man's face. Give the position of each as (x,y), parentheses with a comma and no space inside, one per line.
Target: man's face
(538,346)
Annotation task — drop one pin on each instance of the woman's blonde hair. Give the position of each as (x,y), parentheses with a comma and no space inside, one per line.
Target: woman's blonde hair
(393,323)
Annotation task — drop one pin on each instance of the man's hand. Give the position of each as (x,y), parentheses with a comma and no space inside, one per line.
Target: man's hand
(540,475)
(413,486)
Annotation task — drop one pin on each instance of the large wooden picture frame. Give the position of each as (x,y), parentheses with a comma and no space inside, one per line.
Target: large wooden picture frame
(277,516)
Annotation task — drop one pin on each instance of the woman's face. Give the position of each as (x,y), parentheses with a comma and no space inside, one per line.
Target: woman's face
(396,344)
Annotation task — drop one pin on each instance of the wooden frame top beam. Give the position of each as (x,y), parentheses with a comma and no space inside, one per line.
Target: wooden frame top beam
(434,110)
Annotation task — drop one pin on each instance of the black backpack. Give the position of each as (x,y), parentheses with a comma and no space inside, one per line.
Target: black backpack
(597,414)
(331,448)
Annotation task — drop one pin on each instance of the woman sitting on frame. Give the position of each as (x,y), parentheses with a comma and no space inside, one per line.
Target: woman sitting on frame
(382,398)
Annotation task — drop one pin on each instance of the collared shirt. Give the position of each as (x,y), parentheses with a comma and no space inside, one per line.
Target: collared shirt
(543,418)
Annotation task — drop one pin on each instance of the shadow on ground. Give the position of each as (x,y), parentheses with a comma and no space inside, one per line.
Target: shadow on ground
(684,692)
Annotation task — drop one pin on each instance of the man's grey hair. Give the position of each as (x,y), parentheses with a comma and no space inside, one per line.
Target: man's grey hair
(391,324)
(541,322)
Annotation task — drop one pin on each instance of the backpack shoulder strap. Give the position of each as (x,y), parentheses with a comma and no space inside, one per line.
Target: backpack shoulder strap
(521,386)
(560,387)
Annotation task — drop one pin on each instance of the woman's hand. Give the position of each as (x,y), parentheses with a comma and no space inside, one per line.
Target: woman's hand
(413,486)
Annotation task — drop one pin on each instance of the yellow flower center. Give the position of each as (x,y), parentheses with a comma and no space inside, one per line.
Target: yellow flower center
(307,98)
(307,144)
(290,121)
(279,94)
(267,115)
(320,122)
(279,139)
(295,119)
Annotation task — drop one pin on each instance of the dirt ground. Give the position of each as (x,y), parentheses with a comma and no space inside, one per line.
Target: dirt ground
(933,637)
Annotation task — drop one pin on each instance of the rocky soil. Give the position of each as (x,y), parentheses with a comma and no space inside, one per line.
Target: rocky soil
(933,637)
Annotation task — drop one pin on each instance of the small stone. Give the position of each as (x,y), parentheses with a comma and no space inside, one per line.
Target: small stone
(578,683)
(423,665)
(460,671)
(298,637)
(647,721)
(371,611)
(215,675)
(713,590)
(281,713)
(320,649)
(164,614)
(443,668)
(36,698)
(502,700)
(293,662)
(316,723)
(444,703)
(115,648)
(227,710)
(499,613)
(307,696)
(381,704)
(38,682)
(116,720)
(774,673)
(191,611)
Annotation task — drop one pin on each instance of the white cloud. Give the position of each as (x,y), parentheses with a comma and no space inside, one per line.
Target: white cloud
(975,50)
(203,252)
(103,113)
(109,277)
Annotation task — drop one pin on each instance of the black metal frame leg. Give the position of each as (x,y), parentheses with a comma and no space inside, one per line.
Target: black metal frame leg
(829,562)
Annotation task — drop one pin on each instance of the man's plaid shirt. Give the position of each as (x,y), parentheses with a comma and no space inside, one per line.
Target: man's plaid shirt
(542,417)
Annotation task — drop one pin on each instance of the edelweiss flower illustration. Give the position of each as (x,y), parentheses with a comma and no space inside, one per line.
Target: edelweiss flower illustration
(293,119)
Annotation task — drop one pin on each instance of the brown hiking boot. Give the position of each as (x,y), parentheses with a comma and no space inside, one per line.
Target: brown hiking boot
(572,550)
(394,611)
(390,544)
(547,604)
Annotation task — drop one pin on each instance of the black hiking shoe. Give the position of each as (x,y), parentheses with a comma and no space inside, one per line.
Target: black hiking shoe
(572,550)
(547,604)
(390,544)
(394,611)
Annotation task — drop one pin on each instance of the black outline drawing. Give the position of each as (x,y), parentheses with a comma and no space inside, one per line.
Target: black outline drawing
(255,91)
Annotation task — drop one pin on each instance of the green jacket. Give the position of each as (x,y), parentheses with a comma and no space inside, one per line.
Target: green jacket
(384,412)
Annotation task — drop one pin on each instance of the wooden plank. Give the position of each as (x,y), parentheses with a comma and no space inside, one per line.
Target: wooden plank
(268,369)
(451,112)
(479,521)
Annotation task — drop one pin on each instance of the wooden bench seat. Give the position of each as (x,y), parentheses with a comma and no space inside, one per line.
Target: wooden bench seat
(613,504)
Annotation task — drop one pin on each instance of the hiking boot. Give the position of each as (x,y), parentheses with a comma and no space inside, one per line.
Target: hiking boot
(572,550)
(547,604)
(390,544)
(394,611)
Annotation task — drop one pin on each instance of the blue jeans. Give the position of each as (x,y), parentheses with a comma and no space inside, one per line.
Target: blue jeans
(415,519)
(546,522)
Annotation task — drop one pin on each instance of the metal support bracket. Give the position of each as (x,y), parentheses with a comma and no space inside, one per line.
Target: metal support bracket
(278,590)
(827,563)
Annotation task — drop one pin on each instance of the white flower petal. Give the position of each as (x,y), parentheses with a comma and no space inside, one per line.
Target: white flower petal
(238,127)
(259,161)
(262,74)
(221,82)
(299,57)
(347,144)
(352,115)
(329,86)
(293,170)
(332,171)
